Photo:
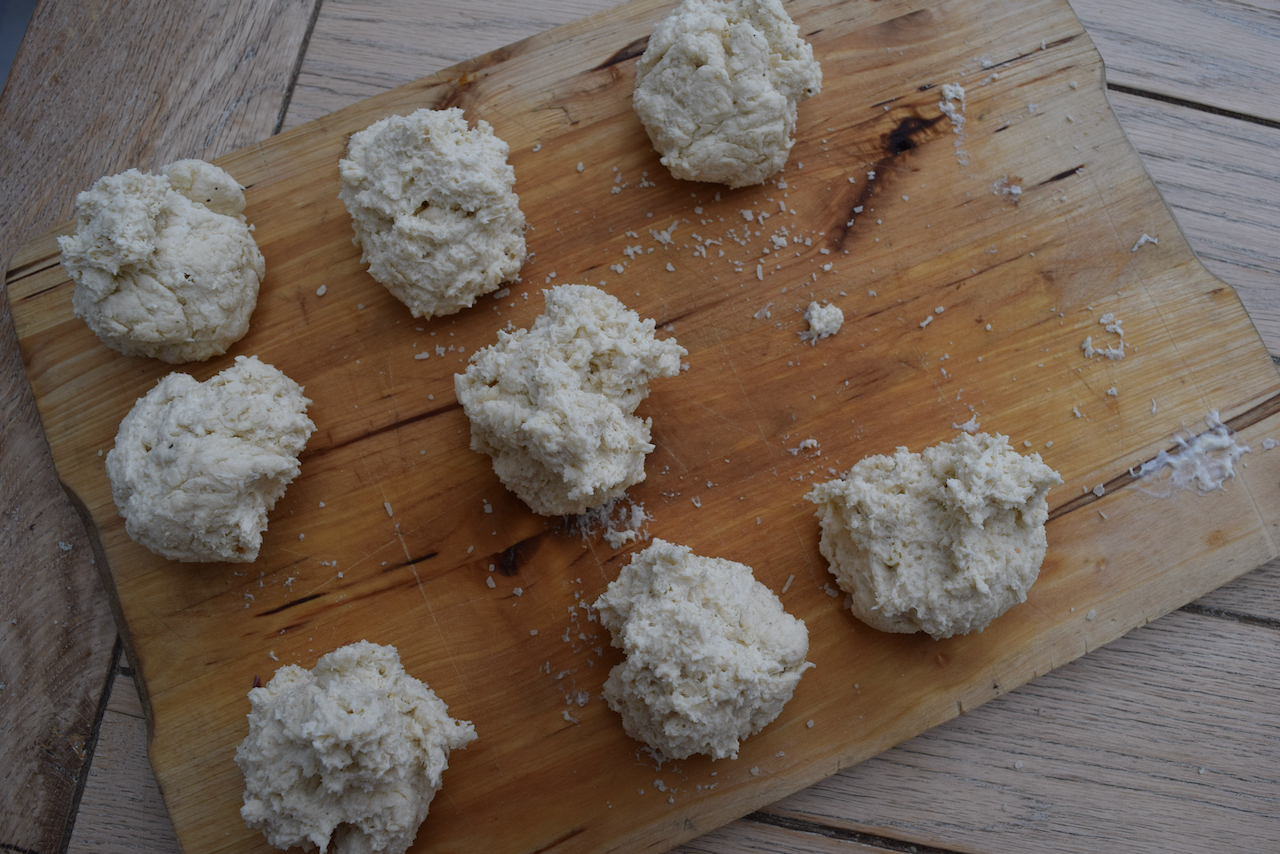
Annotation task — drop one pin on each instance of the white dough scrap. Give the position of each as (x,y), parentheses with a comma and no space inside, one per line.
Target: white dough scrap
(717,89)
(712,657)
(196,466)
(553,404)
(941,542)
(432,208)
(824,321)
(164,265)
(346,757)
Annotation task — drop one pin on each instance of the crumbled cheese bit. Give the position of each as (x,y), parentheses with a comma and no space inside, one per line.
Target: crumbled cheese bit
(1006,186)
(1143,240)
(1114,352)
(386,505)
(423,355)
(322,290)
(489,582)
(824,321)
(1204,462)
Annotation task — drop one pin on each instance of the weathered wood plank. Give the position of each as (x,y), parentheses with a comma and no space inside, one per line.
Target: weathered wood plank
(115,818)
(1165,744)
(1221,55)
(362,47)
(96,88)
(1221,177)
(1255,596)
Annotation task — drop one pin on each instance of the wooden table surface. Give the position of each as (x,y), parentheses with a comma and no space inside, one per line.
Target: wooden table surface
(1166,740)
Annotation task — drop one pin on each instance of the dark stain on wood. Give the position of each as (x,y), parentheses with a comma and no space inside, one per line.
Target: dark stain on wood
(395,425)
(287,605)
(562,838)
(905,136)
(411,562)
(631,51)
(1062,176)
(510,559)
(22,271)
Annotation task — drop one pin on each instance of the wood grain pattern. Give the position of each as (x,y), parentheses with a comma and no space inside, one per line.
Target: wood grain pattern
(1220,176)
(121,818)
(133,93)
(1217,55)
(361,48)
(1189,757)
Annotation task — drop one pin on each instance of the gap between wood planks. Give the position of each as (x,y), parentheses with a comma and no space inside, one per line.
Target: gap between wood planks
(91,744)
(1194,105)
(287,99)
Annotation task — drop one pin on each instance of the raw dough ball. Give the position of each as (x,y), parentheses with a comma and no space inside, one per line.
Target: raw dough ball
(553,404)
(432,209)
(717,89)
(824,321)
(349,754)
(712,657)
(197,466)
(941,542)
(164,265)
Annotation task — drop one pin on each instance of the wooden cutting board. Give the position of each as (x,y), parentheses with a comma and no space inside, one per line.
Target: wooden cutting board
(961,301)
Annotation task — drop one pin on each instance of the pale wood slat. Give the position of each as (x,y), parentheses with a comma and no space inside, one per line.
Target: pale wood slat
(1252,596)
(1221,177)
(115,818)
(1220,54)
(1167,740)
(362,47)
(751,835)
(94,90)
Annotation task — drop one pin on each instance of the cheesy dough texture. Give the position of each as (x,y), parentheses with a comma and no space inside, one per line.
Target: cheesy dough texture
(941,542)
(553,404)
(824,321)
(164,265)
(433,210)
(196,466)
(346,757)
(717,89)
(712,657)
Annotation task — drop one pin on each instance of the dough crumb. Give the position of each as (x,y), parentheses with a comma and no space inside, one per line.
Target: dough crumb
(1204,462)
(711,656)
(1143,241)
(824,321)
